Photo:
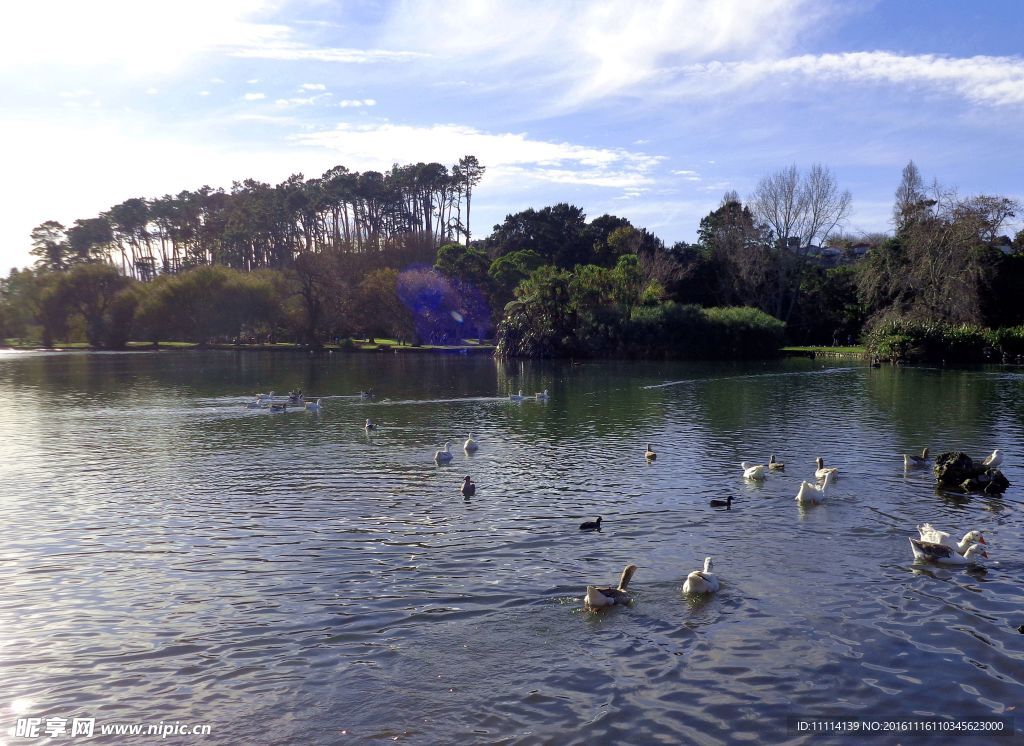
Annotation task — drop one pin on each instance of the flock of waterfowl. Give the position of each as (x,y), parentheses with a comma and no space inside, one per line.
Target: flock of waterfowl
(931,545)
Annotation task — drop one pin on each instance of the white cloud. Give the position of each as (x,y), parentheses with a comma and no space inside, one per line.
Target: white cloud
(597,48)
(312,87)
(687,174)
(997,81)
(508,156)
(152,91)
(292,52)
(254,96)
(134,38)
(356,102)
(300,100)
(204,93)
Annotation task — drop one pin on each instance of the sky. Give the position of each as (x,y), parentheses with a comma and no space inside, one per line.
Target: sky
(647,110)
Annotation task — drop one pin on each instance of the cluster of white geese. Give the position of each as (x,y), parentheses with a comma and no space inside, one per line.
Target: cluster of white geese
(931,544)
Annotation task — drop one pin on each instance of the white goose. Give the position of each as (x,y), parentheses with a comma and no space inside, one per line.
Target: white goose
(517,397)
(814,494)
(752,471)
(913,462)
(701,581)
(314,406)
(470,444)
(443,457)
(925,550)
(541,396)
(994,460)
(823,470)
(931,535)
(598,597)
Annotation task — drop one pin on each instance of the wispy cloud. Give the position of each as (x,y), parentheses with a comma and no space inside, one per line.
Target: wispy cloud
(687,174)
(357,102)
(254,96)
(995,81)
(509,155)
(300,53)
(312,87)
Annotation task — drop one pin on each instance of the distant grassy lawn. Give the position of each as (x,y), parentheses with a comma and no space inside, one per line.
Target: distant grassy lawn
(854,350)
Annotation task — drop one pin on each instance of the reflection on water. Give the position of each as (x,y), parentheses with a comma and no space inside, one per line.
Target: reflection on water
(172,555)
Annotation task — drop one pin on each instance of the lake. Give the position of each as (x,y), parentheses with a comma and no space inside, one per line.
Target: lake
(172,556)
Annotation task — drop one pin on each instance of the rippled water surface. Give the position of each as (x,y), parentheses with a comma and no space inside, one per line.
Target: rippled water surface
(170,555)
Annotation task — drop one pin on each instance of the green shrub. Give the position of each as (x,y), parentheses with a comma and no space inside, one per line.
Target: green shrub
(903,339)
(1010,340)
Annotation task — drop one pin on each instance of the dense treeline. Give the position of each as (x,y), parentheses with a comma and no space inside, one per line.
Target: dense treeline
(390,255)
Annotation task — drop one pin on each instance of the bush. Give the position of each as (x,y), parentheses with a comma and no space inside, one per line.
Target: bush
(903,339)
(1010,340)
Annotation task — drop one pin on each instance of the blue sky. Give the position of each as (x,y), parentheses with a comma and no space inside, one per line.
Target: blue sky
(647,110)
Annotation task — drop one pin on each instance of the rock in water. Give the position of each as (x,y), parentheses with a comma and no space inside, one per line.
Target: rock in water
(956,470)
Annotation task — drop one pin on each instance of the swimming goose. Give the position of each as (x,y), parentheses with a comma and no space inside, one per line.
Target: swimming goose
(517,397)
(314,406)
(364,395)
(993,460)
(597,597)
(823,470)
(814,494)
(468,487)
(650,455)
(470,444)
(932,535)
(541,396)
(926,550)
(443,457)
(752,471)
(591,525)
(775,465)
(701,581)
(370,425)
(913,462)
(726,503)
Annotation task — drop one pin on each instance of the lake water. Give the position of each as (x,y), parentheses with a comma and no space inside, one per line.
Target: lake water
(285,578)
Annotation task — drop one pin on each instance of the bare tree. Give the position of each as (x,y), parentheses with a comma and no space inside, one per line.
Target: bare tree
(799,211)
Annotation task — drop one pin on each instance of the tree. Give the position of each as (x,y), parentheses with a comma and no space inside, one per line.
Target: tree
(98,293)
(797,210)
(469,173)
(910,197)
(50,244)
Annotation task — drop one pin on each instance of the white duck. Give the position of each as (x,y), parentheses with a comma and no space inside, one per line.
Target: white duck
(913,462)
(925,550)
(993,460)
(822,470)
(315,406)
(701,581)
(517,397)
(752,471)
(541,396)
(470,445)
(443,457)
(931,535)
(814,494)
(598,597)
